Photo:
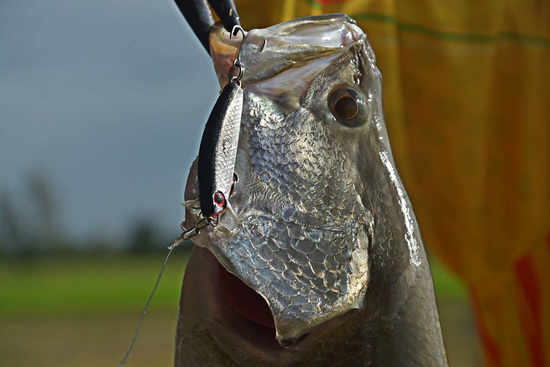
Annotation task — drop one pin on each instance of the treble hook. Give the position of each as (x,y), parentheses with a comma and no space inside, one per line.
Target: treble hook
(191,232)
(236,79)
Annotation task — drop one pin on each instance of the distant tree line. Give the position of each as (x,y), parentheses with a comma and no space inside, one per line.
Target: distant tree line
(31,225)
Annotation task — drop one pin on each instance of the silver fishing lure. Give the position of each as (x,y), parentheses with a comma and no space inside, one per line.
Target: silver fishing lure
(218,151)
(218,148)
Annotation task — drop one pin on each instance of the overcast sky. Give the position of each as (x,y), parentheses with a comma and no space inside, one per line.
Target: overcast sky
(109,99)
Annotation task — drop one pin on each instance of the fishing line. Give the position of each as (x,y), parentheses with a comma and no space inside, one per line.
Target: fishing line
(187,234)
(171,248)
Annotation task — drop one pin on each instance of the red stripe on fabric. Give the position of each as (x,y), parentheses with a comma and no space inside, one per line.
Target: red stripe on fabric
(490,346)
(530,286)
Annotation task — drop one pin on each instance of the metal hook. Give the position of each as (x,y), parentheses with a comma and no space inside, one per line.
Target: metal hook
(191,232)
(236,29)
(236,79)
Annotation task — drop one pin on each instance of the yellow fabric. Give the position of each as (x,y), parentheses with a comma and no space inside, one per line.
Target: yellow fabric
(467,101)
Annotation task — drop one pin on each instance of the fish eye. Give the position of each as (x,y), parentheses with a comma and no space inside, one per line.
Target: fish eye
(347,105)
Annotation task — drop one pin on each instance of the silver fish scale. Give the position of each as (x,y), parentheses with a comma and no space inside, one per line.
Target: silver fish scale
(292,270)
(292,156)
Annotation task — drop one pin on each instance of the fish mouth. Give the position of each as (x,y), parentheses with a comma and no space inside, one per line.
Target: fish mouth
(243,317)
(284,57)
(247,313)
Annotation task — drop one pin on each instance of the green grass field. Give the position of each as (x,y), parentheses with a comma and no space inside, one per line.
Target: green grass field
(81,311)
(87,285)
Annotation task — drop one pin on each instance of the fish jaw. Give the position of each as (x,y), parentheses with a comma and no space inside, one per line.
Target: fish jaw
(309,46)
(288,264)
(272,73)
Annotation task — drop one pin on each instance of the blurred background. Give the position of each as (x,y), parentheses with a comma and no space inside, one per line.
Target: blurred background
(102,105)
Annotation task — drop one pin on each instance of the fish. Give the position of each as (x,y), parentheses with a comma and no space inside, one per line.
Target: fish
(318,260)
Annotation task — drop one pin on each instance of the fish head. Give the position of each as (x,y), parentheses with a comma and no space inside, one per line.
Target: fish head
(298,223)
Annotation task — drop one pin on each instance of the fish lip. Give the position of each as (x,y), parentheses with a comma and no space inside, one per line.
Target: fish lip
(300,45)
(271,72)
(228,327)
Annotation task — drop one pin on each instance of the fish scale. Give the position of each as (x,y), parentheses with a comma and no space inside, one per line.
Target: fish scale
(307,161)
(298,265)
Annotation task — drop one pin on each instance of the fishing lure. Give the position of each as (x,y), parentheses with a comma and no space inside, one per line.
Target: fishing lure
(218,151)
